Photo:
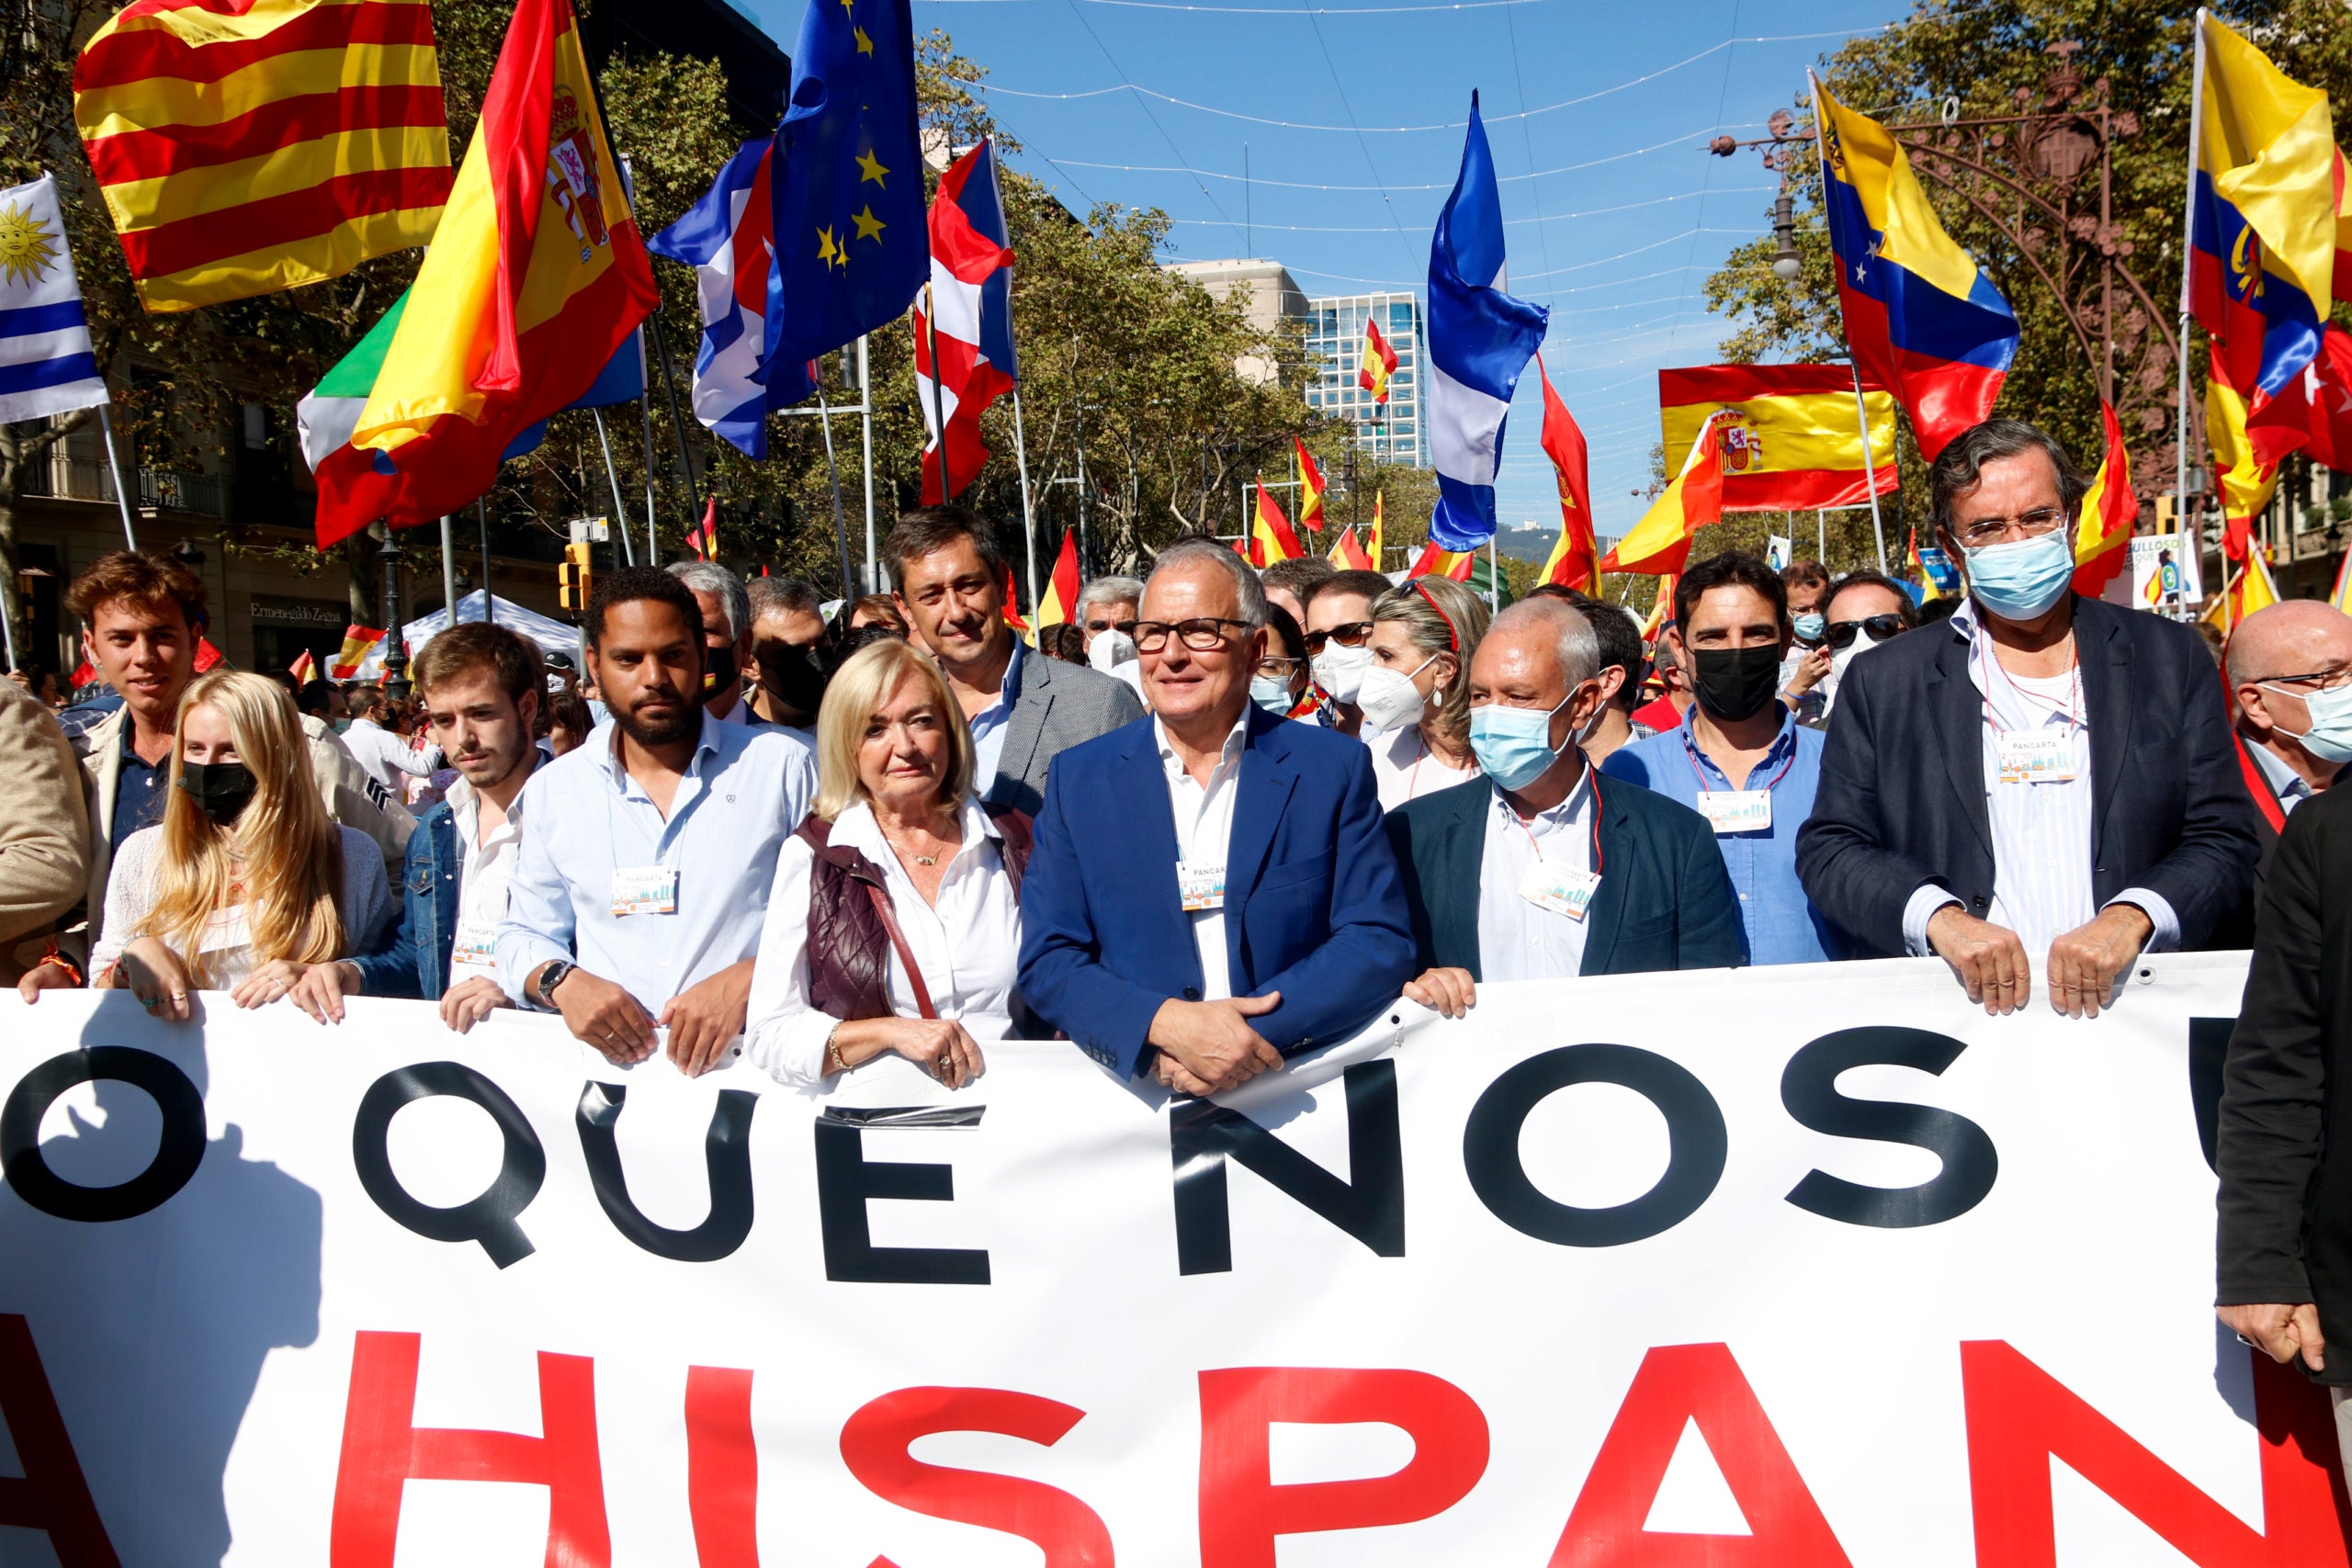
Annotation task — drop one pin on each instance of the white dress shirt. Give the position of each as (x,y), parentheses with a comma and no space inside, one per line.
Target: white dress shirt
(585,820)
(387,757)
(1404,768)
(968,945)
(1519,940)
(1203,831)
(484,869)
(2044,832)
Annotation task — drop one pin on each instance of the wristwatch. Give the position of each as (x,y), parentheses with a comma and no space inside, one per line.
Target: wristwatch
(549,979)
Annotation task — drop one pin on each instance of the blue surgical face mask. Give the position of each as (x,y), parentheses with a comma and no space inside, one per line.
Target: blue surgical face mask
(1514,745)
(2023,578)
(2330,736)
(1809,626)
(1273,694)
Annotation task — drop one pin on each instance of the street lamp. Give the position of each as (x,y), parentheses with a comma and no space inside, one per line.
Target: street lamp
(396,684)
(1785,263)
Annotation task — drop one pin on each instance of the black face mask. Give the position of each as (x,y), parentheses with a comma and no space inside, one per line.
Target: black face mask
(719,670)
(1734,684)
(221,790)
(796,677)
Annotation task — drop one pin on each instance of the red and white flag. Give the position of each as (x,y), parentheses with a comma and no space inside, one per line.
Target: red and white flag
(969,303)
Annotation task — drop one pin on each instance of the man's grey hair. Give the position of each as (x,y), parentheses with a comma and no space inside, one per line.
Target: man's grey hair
(709,577)
(1579,649)
(1109,591)
(781,596)
(1959,468)
(1199,548)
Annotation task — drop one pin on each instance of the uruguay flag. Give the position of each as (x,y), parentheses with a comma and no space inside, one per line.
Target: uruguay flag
(1479,340)
(971,295)
(727,237)
(45,361)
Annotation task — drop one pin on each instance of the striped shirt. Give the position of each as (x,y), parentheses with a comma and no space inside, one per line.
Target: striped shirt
(2044,832)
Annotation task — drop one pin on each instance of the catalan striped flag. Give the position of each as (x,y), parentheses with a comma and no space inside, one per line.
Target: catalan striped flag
(1270,538)
(2103,536)
(1375,363)
(1311,490)
(1058,603)
(246,146)
(1348,556)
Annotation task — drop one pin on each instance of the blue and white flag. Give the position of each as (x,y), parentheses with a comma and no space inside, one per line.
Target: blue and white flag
(727,238)
(1479,340)
(45,362)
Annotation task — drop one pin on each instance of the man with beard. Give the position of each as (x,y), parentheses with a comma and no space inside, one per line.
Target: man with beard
(647,854)
(791,652)
(481,687)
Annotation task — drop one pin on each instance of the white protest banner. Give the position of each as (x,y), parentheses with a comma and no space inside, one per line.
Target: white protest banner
(1796,1266)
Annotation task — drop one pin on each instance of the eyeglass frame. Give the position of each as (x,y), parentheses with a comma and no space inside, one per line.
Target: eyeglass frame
(1151,636)
(1350,634)
(2341,676)
(1829,638)
(2002,528)
(1281,666)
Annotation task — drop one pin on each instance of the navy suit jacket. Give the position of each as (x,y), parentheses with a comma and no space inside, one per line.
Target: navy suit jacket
(1313,904)
(1664,900)
(1902,795)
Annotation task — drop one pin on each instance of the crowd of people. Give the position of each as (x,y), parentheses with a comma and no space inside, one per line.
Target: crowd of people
(1224,816)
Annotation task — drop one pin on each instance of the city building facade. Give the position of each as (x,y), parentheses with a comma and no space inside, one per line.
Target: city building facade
(1395,432)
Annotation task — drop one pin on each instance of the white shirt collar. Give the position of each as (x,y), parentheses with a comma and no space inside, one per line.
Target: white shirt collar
(1234,738)
(856,828)
(1572,808)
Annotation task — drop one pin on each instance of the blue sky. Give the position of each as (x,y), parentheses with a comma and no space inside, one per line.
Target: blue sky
(1625,217)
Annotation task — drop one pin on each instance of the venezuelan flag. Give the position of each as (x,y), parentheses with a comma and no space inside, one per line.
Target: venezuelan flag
(1060,600)
(2103,534)
(535,277)
(1660,542)
(1924,319)
(2262,220)
(1575,559)
(1791,439)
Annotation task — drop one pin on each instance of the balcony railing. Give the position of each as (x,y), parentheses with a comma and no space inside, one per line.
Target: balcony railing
(90,479)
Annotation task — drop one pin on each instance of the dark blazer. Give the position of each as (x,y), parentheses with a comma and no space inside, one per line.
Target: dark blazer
(2285,1160)
(1664,900)
(415,958)
(1902,796)
(1313,907)
(1057,706)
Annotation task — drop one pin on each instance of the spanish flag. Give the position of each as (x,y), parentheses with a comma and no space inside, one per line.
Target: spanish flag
(1270,538)
(2103,535)
(1058,603)
(2246,482)
(359,643)
(535,277)
(1375,363)
(1348,556)
(1791,437)
(1310,490)
(1435,560)
(1928,590)
(1660,542)
(1661,607)
(2250,590)
(1575,560)
(305,668)
(246,146)
(1374,545)
(2340,595)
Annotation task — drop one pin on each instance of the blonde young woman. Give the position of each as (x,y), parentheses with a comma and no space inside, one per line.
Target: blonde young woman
(1416,697)
(245,883)
(894,922)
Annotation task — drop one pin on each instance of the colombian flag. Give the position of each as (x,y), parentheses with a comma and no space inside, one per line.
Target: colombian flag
(1270,538)
(1575,556)
(1376,362)
(2265,208)
(1060,600)
(1435,560)
(1660,542)
(1923,321)
(1311,490)
(1790,439)
(1348,556)
(2103,535)
(535,277)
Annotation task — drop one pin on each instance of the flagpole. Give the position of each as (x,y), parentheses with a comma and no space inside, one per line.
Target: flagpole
(938,395)
(449,568)
(1869,464)
(2192,536)
(833,475)
(872,582)
(1821,536)
(489,601)
(670,393)
(645,418)
(612,478)
(114,463)
(1028,515)
(1493,579)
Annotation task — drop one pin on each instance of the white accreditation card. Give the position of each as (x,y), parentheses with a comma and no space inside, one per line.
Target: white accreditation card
(645,890)
(1562,889)
(1737,810)
(2035,756)
(473,953)
(1200,887)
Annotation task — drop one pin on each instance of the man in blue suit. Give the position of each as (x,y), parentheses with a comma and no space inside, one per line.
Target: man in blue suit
(1210,889)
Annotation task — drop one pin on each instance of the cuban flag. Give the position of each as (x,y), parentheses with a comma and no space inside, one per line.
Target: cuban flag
(728,238)
(971,302)
(1479,340)
(45,362)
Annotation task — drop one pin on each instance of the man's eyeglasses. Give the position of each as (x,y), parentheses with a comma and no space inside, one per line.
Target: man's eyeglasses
(2333,680)
(2025,526)
(1840,634)
(1201,633)
(1347,634)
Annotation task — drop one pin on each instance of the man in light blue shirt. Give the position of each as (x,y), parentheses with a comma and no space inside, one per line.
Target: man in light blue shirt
(642,879)
(1739,758)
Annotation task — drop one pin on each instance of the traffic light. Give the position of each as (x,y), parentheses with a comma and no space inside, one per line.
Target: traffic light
(573,578)
(2168,514)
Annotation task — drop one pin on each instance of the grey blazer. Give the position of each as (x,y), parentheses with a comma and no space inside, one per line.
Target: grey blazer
(1060,705)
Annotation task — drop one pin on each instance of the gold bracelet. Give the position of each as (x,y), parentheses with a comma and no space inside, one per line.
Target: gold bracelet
(834,1063)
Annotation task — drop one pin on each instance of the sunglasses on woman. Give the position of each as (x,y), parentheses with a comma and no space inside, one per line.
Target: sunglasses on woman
(1840,634)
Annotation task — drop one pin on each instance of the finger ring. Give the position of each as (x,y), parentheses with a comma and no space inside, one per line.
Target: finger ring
(179,995)
(151,1003)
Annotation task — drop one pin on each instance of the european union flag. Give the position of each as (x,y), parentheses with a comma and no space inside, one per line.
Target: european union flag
(851,250)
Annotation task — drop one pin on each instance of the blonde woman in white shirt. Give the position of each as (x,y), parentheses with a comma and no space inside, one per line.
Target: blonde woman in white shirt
(895,923)
(1415,696)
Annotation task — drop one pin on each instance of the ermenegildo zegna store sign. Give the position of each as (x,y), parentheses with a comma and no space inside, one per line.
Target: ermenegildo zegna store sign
(1803,1266)
(313,614)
